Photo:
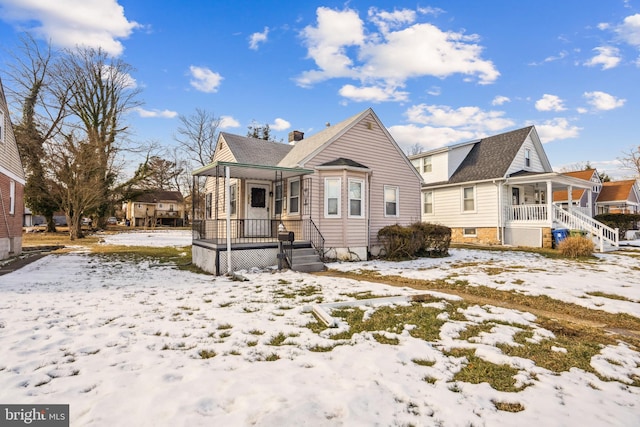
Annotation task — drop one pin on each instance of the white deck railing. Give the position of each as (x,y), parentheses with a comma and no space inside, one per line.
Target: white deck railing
(527,213)
(580,221)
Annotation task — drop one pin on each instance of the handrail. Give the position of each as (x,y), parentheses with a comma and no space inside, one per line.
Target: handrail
(578,220)
(315,237)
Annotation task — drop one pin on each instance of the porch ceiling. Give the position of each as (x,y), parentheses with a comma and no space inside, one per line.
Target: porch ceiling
(247,171)
(558,181)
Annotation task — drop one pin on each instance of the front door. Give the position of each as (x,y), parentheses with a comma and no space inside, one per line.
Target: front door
(515,196)
(257,224)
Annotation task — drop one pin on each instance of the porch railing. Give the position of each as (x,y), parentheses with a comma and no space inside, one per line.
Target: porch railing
(580,221)
(527,213)
(256,231)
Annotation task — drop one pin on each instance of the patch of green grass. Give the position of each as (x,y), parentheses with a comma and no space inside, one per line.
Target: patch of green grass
(225,326)
(256,332)
(424,362)
(207,354)
(272,357)
(252,343)
(225,334)
(280,338)
(474,330)
(508,406)
(609,296)
(283,282)
(383,339)
(362,295)
(430,379)
(477,370)
(322,348)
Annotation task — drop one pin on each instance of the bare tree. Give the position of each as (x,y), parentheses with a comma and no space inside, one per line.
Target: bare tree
(42,114)
(197,136)
(416,148)
(631,160)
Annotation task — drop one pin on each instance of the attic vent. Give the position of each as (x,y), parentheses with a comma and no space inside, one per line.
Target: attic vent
(369,125)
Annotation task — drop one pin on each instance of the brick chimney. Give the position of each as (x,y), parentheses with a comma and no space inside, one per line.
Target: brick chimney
(295,136)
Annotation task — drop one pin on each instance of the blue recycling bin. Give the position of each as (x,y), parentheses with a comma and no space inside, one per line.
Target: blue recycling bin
(559,234)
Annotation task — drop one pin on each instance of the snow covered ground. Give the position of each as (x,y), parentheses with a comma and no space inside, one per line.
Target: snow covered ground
(122,343)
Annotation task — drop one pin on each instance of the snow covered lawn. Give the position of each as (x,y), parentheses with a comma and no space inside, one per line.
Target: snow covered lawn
(148,345)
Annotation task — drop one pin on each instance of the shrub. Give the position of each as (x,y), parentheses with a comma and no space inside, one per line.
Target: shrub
(622,222)
(576,247)
(417,240)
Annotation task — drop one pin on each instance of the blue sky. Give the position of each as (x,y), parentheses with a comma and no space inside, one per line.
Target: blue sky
(436,72)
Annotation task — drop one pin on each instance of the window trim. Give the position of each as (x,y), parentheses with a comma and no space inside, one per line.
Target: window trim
(465,232)
(291,197)
(361,199)
(424,203)
(463,200)
(327,181)
(397,200)
(278,198)
(2,127)
(12,197)
(208,205)
(233,196)
(527,157)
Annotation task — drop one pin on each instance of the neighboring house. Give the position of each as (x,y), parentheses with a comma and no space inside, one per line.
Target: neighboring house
(619,197)
(579,198)
(156,208)
(333,191)
(498,190)
(12,180)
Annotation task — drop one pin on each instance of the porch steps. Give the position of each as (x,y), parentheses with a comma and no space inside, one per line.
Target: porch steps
(306,259)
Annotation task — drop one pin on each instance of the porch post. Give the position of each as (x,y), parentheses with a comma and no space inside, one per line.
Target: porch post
(550,203)
(590,202)
(570,197)
(227,190)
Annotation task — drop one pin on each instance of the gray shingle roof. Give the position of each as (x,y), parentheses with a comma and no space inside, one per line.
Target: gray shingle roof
(491,157)
(254,151)
(156,196)
(341,161)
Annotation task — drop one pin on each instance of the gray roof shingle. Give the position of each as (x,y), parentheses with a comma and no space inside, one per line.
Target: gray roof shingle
(254,151)
(491,157)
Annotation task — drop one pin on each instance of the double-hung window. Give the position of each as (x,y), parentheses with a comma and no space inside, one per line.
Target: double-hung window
(332,197)
(527,157)
(233,191)
(468,199)
(277,204)
(427,207)
(208,201)
(426,164)
(356,198)
(391,197)
(12,197)
(294,196)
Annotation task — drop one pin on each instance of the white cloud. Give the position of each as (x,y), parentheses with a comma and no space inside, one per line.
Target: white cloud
(471,119)
(204,80)
(70,23)
(125,80)
(280,124)
(391,50)
(629,30)
(372,94)
(603,101)
(550,103)
(428,137)
(435,91)
(608,57)
(227,122)
(256,38)
(556,129)
(164,114)
(499,100)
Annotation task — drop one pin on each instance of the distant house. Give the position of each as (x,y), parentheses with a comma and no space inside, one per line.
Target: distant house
(12,181)
(499,190)
(156,208)
(579,198)
(619,197)
(332,191)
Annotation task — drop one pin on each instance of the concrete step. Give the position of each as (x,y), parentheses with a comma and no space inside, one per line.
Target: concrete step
(306,260)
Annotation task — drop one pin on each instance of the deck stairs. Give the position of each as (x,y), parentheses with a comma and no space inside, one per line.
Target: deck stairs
(605,238)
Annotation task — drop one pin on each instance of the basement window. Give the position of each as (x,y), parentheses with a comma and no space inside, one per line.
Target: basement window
(469,232)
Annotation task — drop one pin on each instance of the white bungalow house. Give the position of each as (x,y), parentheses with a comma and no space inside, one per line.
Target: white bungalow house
(332,191)
(499,190)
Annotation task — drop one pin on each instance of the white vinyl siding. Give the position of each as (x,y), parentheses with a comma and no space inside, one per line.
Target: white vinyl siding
(332,189)
(519,162)
(2,127)
(391,201)
(356,198)
(449,207)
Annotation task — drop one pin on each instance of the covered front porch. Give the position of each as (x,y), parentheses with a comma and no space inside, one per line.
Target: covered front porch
(528,210)
(242,219)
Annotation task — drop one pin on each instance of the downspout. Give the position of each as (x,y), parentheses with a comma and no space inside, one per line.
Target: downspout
(500,227)
(227,189)
(369,213)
